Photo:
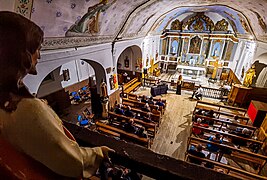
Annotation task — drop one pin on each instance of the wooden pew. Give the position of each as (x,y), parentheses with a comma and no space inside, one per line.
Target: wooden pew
(108,132)
(128,84)
(222,121)
(233,171)
(239,153)
(151,127)
(228,114)
(140,104)
(225,134)
(130,136)
(136,97)
(220,107)
(154,117)
(133,87)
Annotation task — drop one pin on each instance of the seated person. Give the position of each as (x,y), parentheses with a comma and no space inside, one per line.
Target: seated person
(146,108)
(129,126)
(232,127)
(119,110)
(147,118)
(243,132)
(129,112)
(197,131)
(151,101)
(198,112)
(214,148)
(144,99)
(198,93)
(156,110)
(196,151)
(160,103)
(142,132)
(210,113)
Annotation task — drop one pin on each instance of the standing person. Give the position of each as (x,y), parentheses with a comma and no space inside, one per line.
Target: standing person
(179,85)
(26,122)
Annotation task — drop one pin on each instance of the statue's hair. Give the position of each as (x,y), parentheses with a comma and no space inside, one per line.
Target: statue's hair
(19,39)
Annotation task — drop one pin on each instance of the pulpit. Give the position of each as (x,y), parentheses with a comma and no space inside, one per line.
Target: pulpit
(238,94)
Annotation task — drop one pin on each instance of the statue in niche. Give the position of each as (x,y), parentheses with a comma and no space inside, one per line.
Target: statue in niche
(89,22)
(176,25)
(216,49)
(103,89)
(221,25)
(195,45)
(126,62)
(250,75)
(147,60)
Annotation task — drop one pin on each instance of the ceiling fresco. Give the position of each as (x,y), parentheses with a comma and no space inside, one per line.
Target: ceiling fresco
(135,18)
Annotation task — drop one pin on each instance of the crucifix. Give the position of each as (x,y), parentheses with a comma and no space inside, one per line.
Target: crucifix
(216,64)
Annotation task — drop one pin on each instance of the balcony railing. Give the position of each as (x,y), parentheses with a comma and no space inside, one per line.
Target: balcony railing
(207,91)
(143,160)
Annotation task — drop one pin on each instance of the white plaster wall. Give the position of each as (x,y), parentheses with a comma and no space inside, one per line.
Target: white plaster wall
(52,59)
(261,49)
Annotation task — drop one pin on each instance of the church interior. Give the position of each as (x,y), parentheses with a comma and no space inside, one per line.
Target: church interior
(177,88)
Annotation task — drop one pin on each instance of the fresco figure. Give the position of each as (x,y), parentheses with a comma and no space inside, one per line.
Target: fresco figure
(89,22)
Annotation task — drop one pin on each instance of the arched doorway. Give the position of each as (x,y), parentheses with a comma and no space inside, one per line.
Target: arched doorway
(129,64)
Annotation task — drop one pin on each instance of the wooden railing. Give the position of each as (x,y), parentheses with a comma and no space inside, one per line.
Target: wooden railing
(207,91)
(143,160)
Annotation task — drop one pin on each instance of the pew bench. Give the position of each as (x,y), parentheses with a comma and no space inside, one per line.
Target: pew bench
(150,127)
(132,137)
(108,132)
(233,171)
(258,159)
(133,87)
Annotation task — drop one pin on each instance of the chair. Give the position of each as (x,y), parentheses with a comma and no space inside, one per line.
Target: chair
(17,165)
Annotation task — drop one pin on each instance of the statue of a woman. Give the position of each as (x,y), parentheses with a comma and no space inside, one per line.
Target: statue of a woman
(250,75)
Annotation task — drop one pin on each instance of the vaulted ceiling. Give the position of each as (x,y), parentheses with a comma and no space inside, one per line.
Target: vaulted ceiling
(136,18)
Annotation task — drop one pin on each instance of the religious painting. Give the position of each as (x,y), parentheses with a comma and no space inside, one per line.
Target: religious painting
(66,74)
(89,23)
(229,50)
(205,48)
(174,47)
(126,62)
(217,48)
(185,46)
(195,45)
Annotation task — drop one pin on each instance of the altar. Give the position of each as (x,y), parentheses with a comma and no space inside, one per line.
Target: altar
(192,71)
